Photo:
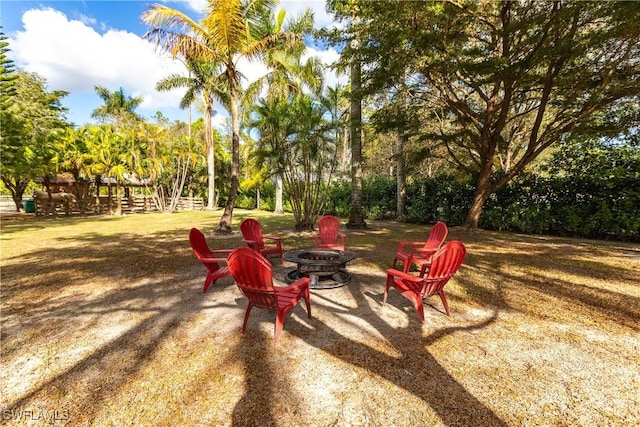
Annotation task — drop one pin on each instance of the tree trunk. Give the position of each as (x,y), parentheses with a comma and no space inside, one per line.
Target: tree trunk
(224,226)
(98,181)
(400,179)
(484,188)
(118,200)
(356,216)
(109,194)
(346,147)
(17,190)
(211,172)
(279,210)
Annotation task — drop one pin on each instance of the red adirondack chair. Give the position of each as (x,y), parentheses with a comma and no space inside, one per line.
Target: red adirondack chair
(252,235)
(252,273)
(445,263)
(329,235)
(210,259)
(419,253)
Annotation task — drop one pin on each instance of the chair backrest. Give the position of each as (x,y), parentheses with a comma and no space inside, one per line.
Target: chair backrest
(437,235)
(199,244)
(252,273)
(252,230)
(328,229)
(444,264)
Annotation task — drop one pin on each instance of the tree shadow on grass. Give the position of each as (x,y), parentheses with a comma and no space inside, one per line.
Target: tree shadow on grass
(428,379)
(131,294)
(129,352)
(168,294)
(256,405)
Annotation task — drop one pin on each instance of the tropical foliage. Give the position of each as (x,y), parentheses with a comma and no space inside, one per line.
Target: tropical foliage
(230,31)
(508,115)
(32,123)
(296,141)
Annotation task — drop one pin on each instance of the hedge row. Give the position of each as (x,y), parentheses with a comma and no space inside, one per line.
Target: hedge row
(580,207)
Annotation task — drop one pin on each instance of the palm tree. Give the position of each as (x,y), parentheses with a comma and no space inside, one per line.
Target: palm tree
(206,80)
(288,77)
(335,100)
(296,139)
(356,213)
(108,150)
(230,31)
(73,156)
(118,108)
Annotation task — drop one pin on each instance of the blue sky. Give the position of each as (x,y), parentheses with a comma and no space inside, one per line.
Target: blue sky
(77,45)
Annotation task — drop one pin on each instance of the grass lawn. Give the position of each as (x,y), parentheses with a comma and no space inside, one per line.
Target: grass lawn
(104,323)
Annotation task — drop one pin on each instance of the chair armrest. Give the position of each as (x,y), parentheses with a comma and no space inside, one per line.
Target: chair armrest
(253,244)
(301,283)
(421,253)
(224,252)
(404,276)
(401,245)
(278,240)
(213,259)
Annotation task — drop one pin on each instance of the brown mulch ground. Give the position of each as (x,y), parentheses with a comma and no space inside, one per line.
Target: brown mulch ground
(104,323)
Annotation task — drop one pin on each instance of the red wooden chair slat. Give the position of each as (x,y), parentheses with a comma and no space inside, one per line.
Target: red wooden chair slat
(444,264)
(329,235)
(253,275)
(419,253)
(252,235)
(210,259)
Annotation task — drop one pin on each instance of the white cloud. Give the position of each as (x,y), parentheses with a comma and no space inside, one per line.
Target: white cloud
(320,16)
(198,5)
(87,20)
(74,57)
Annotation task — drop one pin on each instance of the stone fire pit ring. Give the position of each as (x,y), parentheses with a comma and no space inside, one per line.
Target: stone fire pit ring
(328,265)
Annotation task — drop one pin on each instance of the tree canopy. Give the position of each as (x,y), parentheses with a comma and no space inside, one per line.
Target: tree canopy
(502,81)
(231,30)
(31,125)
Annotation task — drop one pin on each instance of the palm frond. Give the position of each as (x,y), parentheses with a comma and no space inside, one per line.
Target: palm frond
(225,26)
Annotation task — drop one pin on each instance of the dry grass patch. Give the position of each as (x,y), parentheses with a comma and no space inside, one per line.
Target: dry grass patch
(104,323)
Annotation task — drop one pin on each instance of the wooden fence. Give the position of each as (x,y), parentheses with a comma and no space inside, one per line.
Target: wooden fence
(133,204)
(6,204)
(141,203)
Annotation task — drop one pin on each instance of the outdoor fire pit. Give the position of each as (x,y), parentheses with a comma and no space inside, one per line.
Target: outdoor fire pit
(328,265)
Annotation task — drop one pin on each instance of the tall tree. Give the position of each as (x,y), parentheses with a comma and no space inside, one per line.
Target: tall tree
(8,75)
(356,213)
(204,79)
(288,75)
(349,11)
(507,79)
(396,118)
(230,30)
(118,108)
(35,120)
